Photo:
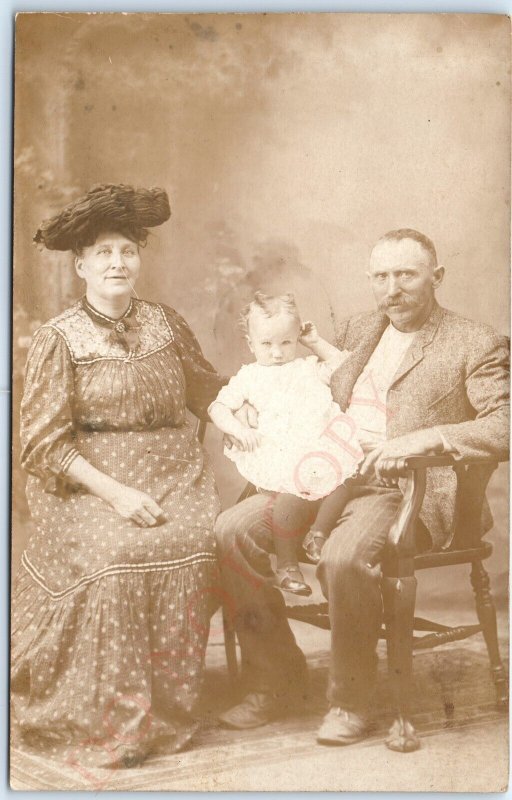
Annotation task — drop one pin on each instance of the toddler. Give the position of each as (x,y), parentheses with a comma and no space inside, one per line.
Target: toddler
(304,448)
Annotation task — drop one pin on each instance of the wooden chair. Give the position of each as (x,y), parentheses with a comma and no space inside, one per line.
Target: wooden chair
(400,562)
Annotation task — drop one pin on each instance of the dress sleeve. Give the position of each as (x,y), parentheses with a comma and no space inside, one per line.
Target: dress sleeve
(47,448)
(202,380)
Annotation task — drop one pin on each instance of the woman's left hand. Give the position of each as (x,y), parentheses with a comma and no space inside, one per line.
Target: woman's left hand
(135,505)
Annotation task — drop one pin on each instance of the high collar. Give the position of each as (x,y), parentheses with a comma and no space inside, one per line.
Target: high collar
(123,330)
(103,319)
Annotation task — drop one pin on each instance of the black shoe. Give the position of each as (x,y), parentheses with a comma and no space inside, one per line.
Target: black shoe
(313,544)
(291,579)
(126,757)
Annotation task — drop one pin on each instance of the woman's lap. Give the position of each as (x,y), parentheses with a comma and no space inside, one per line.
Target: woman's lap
(110,621)
(80,536)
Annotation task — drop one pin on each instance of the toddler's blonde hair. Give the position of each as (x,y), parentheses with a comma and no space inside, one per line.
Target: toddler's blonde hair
(270,306)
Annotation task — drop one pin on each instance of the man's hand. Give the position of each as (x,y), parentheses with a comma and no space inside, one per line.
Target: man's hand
(248,417)
(419,443)
(247,439)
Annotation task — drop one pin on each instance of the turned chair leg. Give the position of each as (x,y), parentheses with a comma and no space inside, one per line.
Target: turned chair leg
(230,646)
(486,612)
(399,599)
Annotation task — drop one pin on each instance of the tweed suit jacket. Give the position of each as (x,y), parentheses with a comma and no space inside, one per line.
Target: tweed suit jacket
(455,378)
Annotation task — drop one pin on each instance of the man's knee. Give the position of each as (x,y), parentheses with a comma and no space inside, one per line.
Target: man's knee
(342,562)
(339,562)
(243,526)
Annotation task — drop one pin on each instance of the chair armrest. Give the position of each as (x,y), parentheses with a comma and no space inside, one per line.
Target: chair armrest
(401,538)
(401,467)
(200,429)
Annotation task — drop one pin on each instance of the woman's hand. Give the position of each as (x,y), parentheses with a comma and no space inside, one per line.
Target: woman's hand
(129,503)
(137,506)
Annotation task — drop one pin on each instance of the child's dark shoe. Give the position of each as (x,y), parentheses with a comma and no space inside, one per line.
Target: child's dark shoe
(313,544)
(291,579)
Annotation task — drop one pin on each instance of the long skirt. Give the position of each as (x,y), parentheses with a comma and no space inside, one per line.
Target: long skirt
(110,621)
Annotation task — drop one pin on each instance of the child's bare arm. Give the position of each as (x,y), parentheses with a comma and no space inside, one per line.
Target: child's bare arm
(224,418)
(320,347)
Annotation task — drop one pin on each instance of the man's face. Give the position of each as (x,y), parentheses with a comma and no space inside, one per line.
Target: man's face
(403,281)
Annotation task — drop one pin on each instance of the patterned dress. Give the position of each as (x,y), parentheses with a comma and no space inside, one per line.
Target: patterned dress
(110,620)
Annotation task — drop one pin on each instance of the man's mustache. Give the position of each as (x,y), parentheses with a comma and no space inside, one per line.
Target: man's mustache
(404,301)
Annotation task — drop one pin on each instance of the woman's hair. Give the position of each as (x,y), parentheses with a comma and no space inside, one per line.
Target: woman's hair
(138,236)
(269,306)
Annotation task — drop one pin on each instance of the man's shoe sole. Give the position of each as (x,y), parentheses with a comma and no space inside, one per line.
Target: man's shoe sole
(232,725)
(343,740)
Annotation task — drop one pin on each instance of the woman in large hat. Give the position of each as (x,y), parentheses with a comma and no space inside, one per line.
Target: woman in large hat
(112,604)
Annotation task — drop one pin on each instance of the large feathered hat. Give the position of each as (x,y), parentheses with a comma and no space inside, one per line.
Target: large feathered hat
(105,207)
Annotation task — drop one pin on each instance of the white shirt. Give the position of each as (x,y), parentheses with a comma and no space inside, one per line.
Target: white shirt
(368,404)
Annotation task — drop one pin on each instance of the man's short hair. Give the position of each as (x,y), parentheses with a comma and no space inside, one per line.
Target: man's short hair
(416,236)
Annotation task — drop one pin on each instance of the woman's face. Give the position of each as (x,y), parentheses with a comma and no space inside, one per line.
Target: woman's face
(109,267)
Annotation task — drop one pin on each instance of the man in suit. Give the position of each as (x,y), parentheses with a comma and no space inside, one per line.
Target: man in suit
(420,380)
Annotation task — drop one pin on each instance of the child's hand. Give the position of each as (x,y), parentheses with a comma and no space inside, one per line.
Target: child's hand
(248,439)
(308,334)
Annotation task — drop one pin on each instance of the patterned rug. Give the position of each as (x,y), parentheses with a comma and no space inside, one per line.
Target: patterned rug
(453,691)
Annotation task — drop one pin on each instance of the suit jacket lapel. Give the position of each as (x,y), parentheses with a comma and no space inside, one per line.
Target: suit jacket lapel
(345,377)
(415,353)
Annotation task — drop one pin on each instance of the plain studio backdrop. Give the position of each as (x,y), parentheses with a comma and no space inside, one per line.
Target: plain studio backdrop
(288,144)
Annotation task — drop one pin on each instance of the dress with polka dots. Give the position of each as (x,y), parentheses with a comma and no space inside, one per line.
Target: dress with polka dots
(110,620)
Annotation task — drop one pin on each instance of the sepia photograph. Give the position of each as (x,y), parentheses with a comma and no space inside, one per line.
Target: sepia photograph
(260,402)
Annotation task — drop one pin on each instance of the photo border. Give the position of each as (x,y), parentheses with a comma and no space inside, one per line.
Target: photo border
(8,9)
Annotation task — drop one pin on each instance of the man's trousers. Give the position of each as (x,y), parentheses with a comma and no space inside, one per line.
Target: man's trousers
(349,575)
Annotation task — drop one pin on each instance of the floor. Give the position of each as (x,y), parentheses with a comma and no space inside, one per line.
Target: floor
(464,739)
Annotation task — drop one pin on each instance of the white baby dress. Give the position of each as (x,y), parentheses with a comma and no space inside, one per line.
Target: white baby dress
(309,446)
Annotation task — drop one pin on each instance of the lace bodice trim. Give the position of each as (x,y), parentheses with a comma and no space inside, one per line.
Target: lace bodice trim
(88,343)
